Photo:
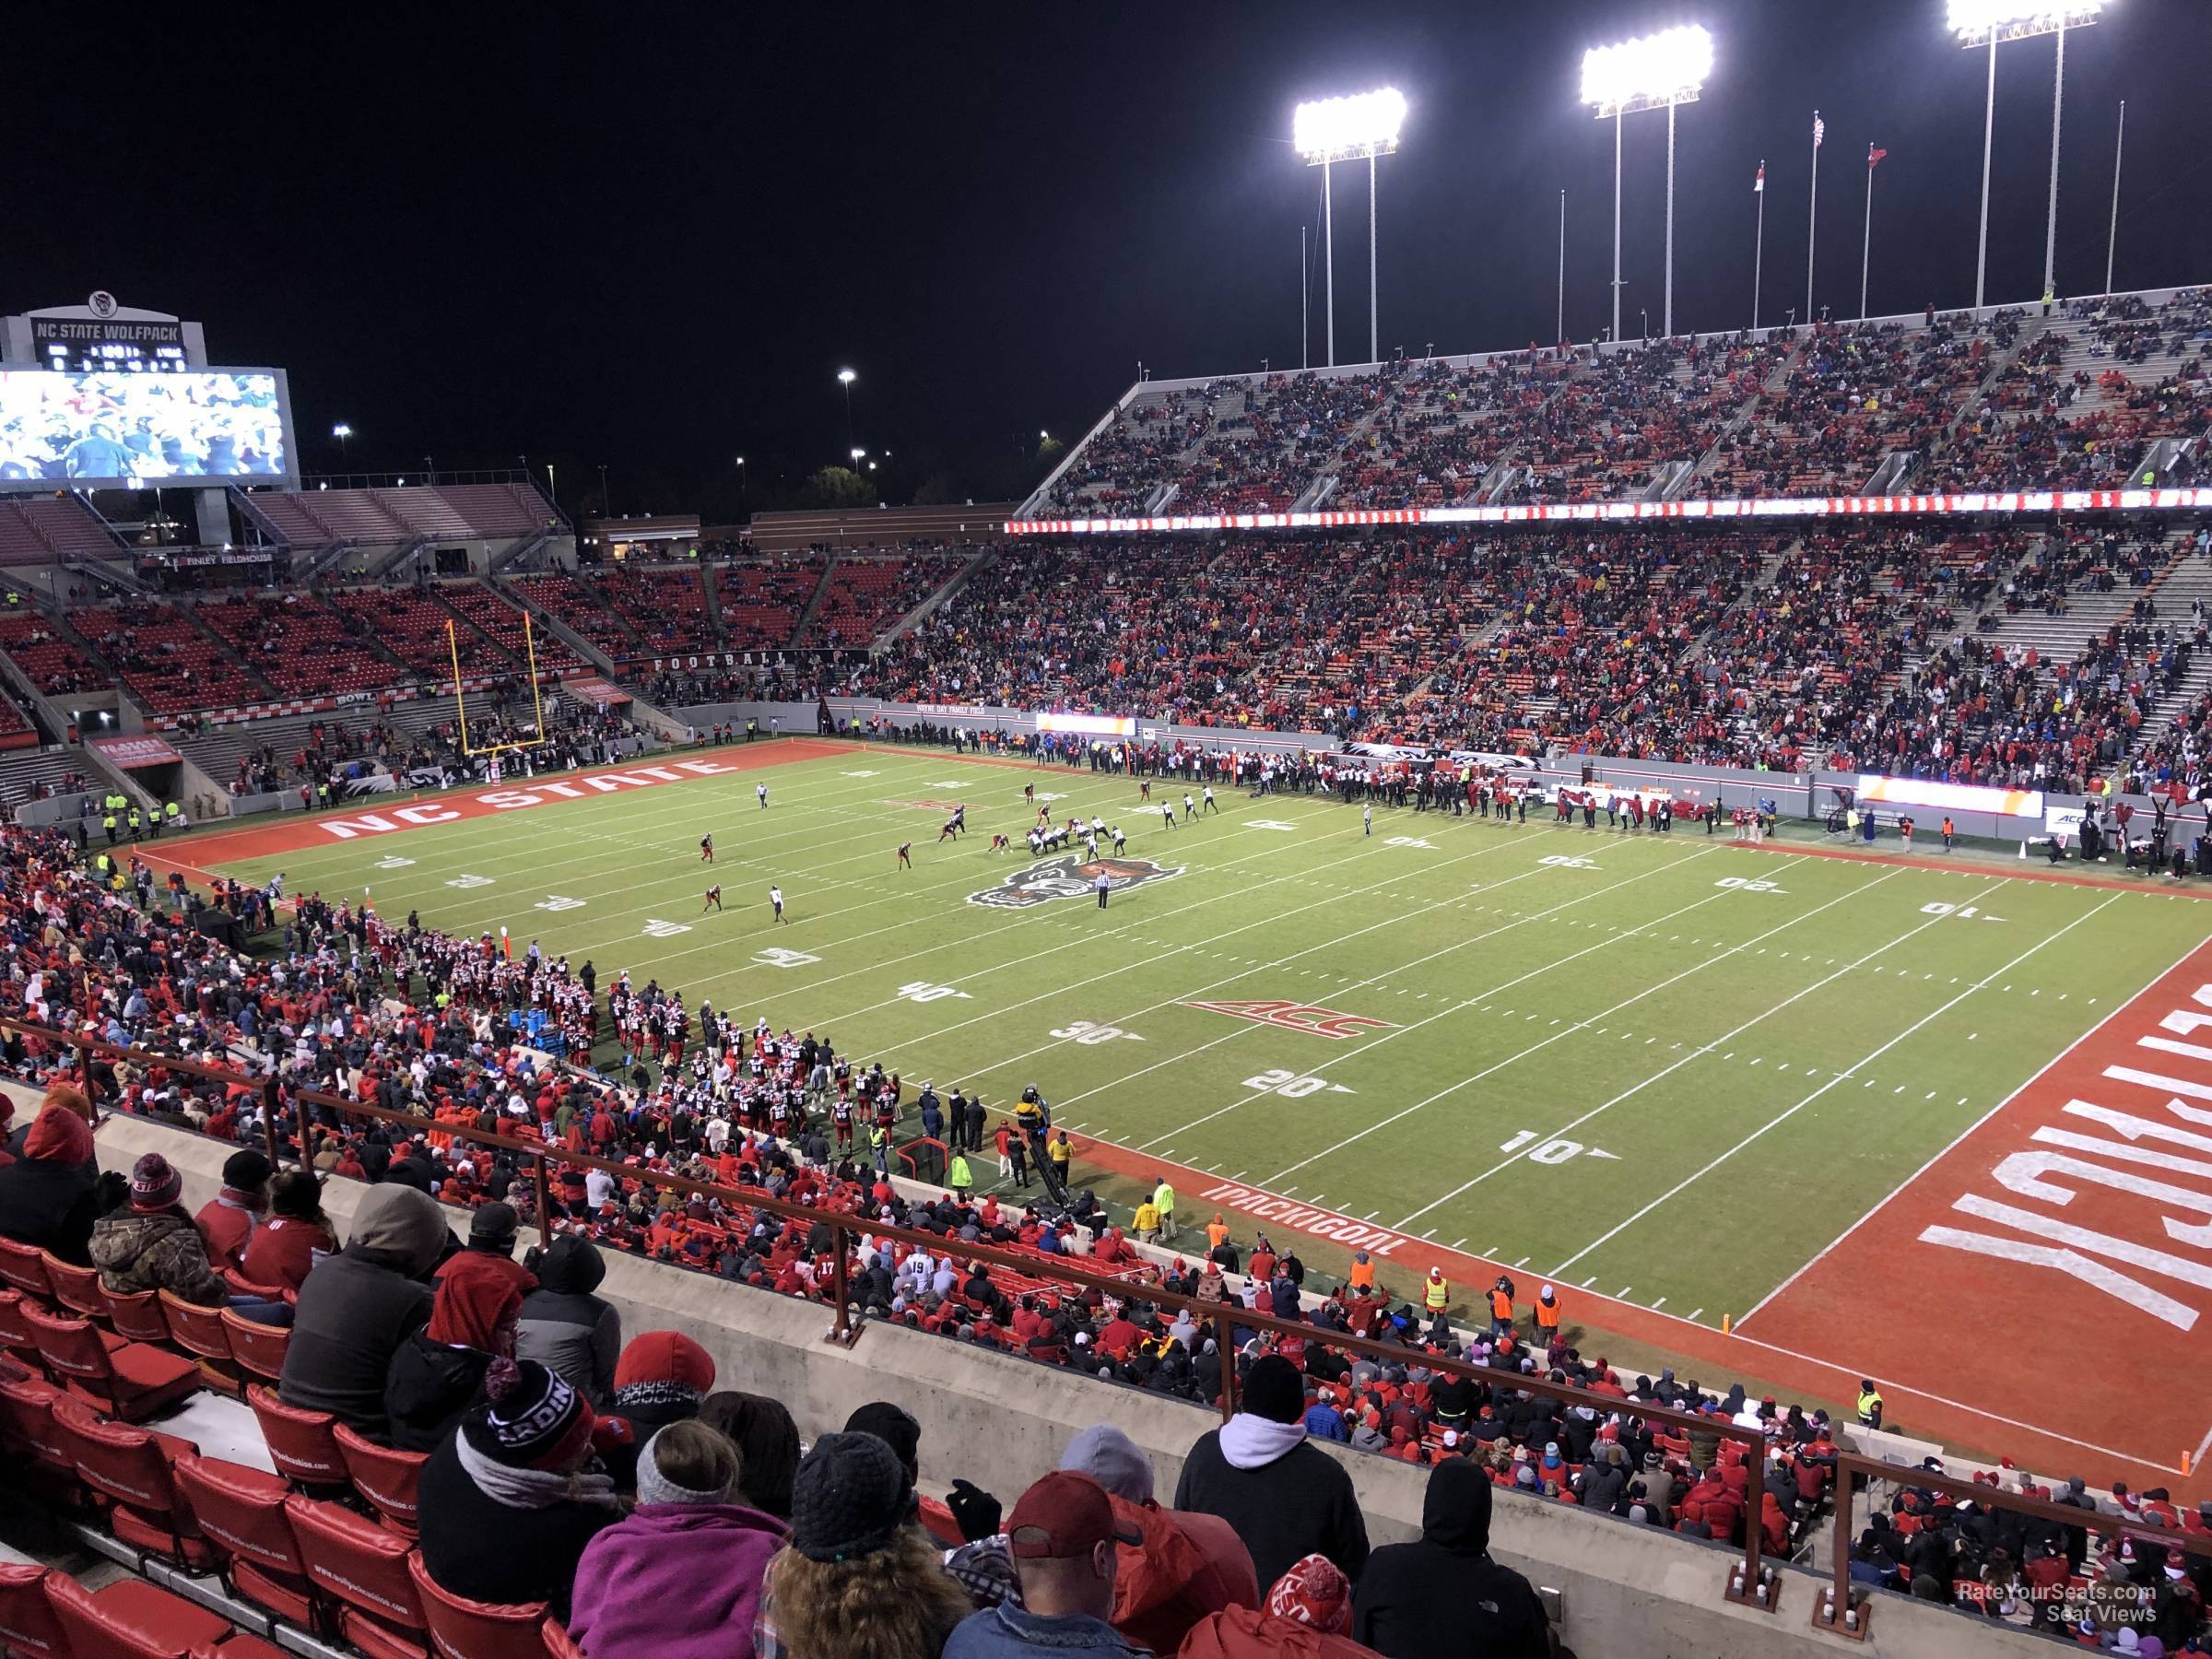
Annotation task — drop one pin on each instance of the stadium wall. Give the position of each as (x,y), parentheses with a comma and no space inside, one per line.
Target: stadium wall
(1795,795)
(1626,1592)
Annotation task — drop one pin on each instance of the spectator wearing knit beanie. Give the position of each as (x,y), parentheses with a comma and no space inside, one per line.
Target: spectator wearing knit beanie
(662,1378)
(510,1498)
(48,1196)
(857,1579)
(151,1243)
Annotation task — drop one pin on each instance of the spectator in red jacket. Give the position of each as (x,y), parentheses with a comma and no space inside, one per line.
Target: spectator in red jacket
(227,1220)
(296,1235)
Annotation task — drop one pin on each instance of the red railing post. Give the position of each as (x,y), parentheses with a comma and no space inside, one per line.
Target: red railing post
(837,1279)
(269,1102)
(545,1208)
(84,1071)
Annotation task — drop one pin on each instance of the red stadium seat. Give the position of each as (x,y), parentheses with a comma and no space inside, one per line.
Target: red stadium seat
(256,1347)
(241,1511)
(363,1569)
(27,1426)
(460,1628)
(239,1644)
(243,1286)
(131,1620)
(24,1266)
(300,1442)
(76,1288)
(200,1330)
(29,1626)
(386,1477)
(16,1335)
(557,1645)
(137,1317)
(131,1466)
(132,1381)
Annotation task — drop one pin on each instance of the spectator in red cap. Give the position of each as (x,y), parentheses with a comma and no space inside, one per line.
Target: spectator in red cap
(1064,1538)
(662,1378)
(1308,1616)
(1187,1564)
(151,1243)
(510,1500)
(48,1197)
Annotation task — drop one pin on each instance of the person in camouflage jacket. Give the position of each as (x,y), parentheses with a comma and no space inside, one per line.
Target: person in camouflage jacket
(151,1243)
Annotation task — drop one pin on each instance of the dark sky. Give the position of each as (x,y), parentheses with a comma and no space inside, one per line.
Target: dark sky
(649,236)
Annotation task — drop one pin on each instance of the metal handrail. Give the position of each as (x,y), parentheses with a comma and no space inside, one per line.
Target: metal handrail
(1756,1587)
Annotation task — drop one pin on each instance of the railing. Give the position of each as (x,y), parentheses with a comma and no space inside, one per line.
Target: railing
(1751,1585)
(1835,1610)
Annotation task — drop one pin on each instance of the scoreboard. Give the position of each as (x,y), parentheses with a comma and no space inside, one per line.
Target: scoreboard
(102,335)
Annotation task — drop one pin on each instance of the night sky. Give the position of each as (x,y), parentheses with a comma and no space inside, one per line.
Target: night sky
(650,237)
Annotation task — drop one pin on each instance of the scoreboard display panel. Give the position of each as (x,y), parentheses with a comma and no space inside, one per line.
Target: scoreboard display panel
(118,428)
(80,345)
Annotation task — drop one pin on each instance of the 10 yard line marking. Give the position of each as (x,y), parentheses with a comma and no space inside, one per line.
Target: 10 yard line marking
(1785,1117)
(1704,1049)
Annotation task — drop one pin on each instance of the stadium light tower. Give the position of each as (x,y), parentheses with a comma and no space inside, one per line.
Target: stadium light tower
(1656,72)
(341,432)
(1977,22)
(845,377)
(1348,129)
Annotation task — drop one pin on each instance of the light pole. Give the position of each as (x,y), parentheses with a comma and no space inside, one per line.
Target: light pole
(744,504)
(1986,22)
(1656,72)
(845,377)
(341,432)
(606,506)
(1348,129)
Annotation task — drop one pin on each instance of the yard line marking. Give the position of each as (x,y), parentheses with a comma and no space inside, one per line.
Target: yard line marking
(1588,1282)
(1521,1262)
(1566,1031)
(1659,1304)
(1460,1245)
(1962,1133)
(1785,1117)
(1695,1311)
(1443,1013)
(1701,1049)
(1247,1029)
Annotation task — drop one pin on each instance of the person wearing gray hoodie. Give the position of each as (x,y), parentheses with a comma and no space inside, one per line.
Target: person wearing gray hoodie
(357,1307)
(573,1334)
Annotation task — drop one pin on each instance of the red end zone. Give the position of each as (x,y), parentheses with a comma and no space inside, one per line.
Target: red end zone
(2054,1264)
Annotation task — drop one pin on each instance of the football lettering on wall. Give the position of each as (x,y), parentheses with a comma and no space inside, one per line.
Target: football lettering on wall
(1297,1017)
(1072,875)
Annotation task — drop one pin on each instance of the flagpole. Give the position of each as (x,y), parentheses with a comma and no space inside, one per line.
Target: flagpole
(1758,247)
(1866,238)
(1812,222)
(2112,235)
(1559,327)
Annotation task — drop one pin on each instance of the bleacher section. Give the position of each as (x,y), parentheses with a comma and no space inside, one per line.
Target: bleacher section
(412,625)
(867,595)
(503,622)
(37,529)
(168,663)
(391,515)
(50,660)
(299,646)
(763,600)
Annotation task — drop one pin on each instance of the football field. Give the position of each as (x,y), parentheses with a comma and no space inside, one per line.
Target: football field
(1665,1072)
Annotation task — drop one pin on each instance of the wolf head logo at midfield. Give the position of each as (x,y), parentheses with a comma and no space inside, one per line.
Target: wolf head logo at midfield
(1071,876)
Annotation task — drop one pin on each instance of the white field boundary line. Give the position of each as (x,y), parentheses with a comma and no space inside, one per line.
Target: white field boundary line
(842,803)
(1179,950)
(1572,1027)
(698,869)
(1702,1049)
(1321,1066)
(1246,1030)
(1044,913)
(1955,1141)
(1849,1071)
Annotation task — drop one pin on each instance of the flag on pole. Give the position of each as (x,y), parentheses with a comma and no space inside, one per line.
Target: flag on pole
(1819,130)
(1874,155)
(1759,184)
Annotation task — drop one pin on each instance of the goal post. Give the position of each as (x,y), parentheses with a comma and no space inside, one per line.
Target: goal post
(537,702)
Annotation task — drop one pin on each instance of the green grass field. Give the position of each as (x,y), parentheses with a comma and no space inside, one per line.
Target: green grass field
(1659,1067)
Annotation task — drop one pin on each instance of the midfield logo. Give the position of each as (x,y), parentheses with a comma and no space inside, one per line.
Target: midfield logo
(1297,1017)
(1072,875)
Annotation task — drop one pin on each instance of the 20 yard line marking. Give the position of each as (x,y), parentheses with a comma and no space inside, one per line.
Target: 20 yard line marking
(1785,1117)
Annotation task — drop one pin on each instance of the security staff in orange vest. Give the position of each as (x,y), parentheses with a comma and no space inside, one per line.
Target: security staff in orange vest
(1547,1315)
(1501,1306)
(1363,1271)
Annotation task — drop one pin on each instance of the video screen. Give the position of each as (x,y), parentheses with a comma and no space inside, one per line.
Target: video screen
(111,430)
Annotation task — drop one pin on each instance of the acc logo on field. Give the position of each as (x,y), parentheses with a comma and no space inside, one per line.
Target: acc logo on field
(1297,1017)
(1070,877)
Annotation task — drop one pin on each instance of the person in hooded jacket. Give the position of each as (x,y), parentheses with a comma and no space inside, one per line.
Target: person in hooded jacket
(437,1375)
(1605,1480)
(1443,1595)
(681,1577)
(356,1307)
(49,1197)
(768,1447)
(151,1243)
(566,1328)
(1286,1499)
(1307,1614)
